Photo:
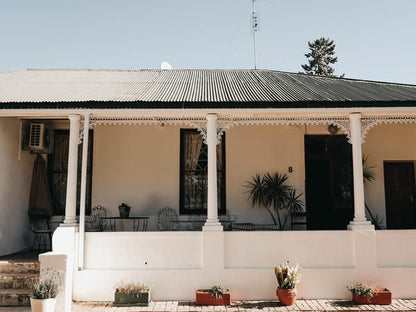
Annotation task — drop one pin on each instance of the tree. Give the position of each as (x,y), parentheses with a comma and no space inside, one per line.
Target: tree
(320,58)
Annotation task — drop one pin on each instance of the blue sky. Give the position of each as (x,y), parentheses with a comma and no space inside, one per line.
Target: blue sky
(375,39)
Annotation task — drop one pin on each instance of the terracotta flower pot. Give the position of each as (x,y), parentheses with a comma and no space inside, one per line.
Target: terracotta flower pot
(203,297)
(381,297)
(43,305)
(286,297)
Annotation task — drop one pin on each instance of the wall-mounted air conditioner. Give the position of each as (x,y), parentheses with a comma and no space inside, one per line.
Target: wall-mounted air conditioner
(36,135)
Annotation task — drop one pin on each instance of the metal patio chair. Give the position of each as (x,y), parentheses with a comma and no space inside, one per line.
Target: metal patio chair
(95,223)
(167,219)
(43,233)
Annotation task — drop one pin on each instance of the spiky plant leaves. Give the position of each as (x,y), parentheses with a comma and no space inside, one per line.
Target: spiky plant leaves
(256,189)
(287,277)
(368,170)
(275,189)
(271,190)
(293,201)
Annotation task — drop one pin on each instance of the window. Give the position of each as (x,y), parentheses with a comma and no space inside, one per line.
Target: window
(194,173)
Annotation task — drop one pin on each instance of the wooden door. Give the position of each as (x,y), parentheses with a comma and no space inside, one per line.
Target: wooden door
(399,185)
(328,182)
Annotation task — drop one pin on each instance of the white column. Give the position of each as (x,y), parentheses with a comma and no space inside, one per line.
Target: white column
(71,187)
(83,195)
(360,221)
(212,223)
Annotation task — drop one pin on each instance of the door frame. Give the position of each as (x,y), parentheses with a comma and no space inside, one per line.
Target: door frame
(393,162)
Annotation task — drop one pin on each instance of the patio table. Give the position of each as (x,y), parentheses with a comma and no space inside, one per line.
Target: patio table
(139,223)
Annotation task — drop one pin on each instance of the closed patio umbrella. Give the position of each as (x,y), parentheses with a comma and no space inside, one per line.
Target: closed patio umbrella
(40,203)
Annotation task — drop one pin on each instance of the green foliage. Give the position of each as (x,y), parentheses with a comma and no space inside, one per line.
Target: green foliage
(45,289)
(271,191)
(320,58)
(217,291)
(287,277)
(365,289)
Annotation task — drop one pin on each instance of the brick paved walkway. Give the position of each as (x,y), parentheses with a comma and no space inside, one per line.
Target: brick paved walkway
(238,306)
(249,306)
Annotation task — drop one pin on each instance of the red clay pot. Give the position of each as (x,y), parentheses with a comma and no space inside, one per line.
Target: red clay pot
(203,297)
(381,297)
(286,297)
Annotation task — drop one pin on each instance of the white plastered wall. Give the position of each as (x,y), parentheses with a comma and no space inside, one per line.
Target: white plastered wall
(139,165)
(15,180)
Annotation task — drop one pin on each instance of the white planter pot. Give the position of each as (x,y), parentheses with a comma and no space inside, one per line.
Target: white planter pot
(43,305)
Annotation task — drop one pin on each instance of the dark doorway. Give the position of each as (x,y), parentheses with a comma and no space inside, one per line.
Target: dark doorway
(399,186)
(58,170)
(328,182)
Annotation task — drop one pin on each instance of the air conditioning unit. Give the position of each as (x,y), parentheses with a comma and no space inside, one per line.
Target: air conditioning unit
(36,137)
(37,132)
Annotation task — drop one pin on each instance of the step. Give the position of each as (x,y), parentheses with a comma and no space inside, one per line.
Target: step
(15,297)
(19,267)
(18,280)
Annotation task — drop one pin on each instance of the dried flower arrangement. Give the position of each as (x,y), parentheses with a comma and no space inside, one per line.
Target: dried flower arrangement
(132,288)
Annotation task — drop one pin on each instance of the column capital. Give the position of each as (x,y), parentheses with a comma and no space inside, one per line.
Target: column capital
(74,117)
(211,116)
(355,115)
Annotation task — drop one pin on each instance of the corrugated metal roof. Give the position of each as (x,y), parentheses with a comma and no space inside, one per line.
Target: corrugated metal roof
(202,88)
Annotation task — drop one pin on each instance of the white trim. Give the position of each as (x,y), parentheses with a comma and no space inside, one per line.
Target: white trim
(83,194)
(343,111)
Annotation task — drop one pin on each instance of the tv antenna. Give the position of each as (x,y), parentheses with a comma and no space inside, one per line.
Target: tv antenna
(254,25)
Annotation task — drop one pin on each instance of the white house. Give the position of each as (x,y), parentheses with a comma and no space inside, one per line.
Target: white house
(146,147)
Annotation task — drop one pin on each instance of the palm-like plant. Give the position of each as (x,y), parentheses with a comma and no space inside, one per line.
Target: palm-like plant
(370,176)
(271,190)
(256,188)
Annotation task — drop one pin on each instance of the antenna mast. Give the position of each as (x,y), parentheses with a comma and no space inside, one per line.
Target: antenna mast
(254,26)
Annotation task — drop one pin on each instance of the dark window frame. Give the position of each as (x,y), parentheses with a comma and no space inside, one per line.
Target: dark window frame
(182,210)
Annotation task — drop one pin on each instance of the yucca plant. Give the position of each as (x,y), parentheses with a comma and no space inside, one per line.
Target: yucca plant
(271,192)
(287,277)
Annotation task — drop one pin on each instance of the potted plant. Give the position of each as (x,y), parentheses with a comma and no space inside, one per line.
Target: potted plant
(369,294)
(217,295)
(124,210)
(44,294)
(132,294)
(287,278)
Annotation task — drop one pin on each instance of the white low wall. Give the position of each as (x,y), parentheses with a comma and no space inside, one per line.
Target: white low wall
(150,250)
(180,262)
